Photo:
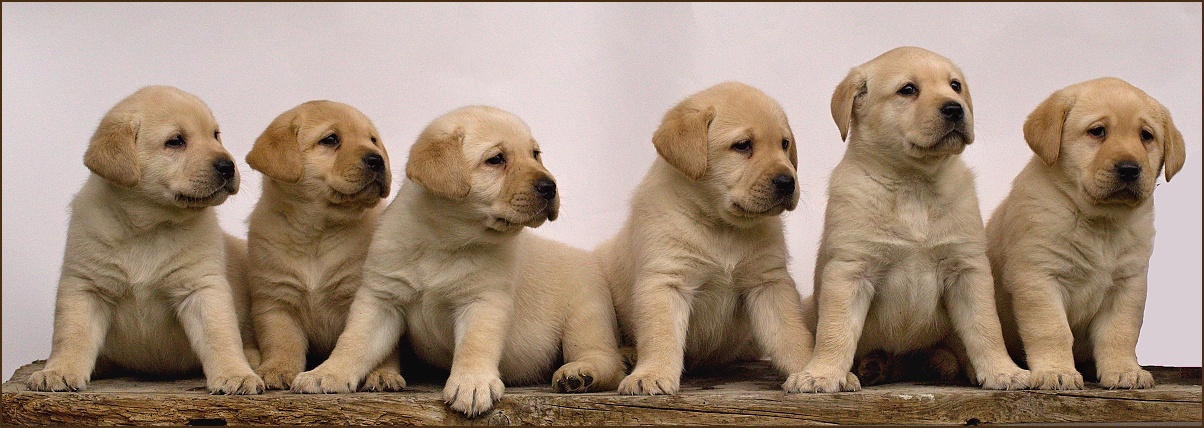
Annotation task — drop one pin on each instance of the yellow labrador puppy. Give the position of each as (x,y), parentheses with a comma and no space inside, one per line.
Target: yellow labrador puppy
(325,171)
(150,283)
(902,262)
(1071,244)
(699,272)
(475,293)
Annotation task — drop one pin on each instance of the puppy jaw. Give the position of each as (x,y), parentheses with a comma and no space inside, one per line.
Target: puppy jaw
(899,98)
(734,141)
(1062,132)
(163,143)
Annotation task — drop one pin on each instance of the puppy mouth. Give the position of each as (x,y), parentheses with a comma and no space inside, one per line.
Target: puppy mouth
(371,191)
(952,142)
(1126,194)
(768,210)
(214,198)
(517,220)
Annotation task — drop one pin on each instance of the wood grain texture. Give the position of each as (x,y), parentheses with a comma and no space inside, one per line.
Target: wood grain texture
(746,394)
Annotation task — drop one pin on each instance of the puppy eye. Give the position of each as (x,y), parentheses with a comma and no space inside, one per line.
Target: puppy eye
(536,154)
(742,146)
(329,140)
(908,89)
(217,135)
(957,86)
(496,160)
(373,140)
(1097,132)
(1146,136)
(175,142)
(785,144)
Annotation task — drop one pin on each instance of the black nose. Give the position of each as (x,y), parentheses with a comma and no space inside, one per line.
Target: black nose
(374,162)
(1128,171)
(784,184)
(953,111)
(546,188)
(225,167)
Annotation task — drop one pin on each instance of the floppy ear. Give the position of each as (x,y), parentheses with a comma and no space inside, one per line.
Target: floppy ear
(111,153)
(682,138)
(1043,128)
(844,100)
(437,163)
(277,153)
(1173,151)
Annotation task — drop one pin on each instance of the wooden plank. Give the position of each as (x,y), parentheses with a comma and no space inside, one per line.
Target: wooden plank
(746,394)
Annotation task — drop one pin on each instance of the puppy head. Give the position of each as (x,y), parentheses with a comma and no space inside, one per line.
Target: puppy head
(329,150)
(907,100)
(164,143)
(735,142)
(1108,137)
(486,158)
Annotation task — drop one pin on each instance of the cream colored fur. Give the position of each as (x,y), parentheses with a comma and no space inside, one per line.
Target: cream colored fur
(1070,245)
(699,271)
(452,267)
(150,284)
(325,172)
(902,261)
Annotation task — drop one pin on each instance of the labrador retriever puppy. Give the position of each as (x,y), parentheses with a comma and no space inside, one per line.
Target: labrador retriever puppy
(699,271)
(325,171)
(902,262)
(1070,245)
(451,265)
(150,283)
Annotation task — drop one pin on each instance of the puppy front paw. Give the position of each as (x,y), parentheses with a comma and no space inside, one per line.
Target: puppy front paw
(473,394)
(649,384)
(574,377)
(381,380)
(321,381)
(56,380)
(814,381)
(1134,378)
(1009,379)
(235,384)
(277,375)
(1056,379)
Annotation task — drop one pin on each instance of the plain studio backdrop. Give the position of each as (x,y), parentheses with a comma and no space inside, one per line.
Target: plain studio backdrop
(592,81)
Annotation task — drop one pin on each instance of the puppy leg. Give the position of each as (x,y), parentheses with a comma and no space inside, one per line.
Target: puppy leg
(208,317)
(776,314)
(970,301)
(386,376)
(662,306)
(1114,337)
(842,304)
(81,321)
(283,344)
(474,383)
(374,326)
(1045,332)
(591,346)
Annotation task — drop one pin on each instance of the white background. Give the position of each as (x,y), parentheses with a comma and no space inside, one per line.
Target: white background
(592,81)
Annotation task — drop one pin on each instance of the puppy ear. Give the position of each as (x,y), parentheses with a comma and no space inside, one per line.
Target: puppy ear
(1173,151)
(682,138)
(277,153)
(437,163)
(111,153)
(1043,128)
(844,100)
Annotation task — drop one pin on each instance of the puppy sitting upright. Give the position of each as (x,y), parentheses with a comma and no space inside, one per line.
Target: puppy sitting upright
(1071,245)
(325,171)
(451,265)
(699,272)
(902,262)
(146,286)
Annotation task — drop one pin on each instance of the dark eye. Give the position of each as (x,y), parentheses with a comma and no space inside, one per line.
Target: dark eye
(742,146)
(908,89)
(785,144)
(1097,132)
(217,135)
(373,140)
(957,86)
(176,141)
(536,154)
(1146,136)
(496,160)
(329,140)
